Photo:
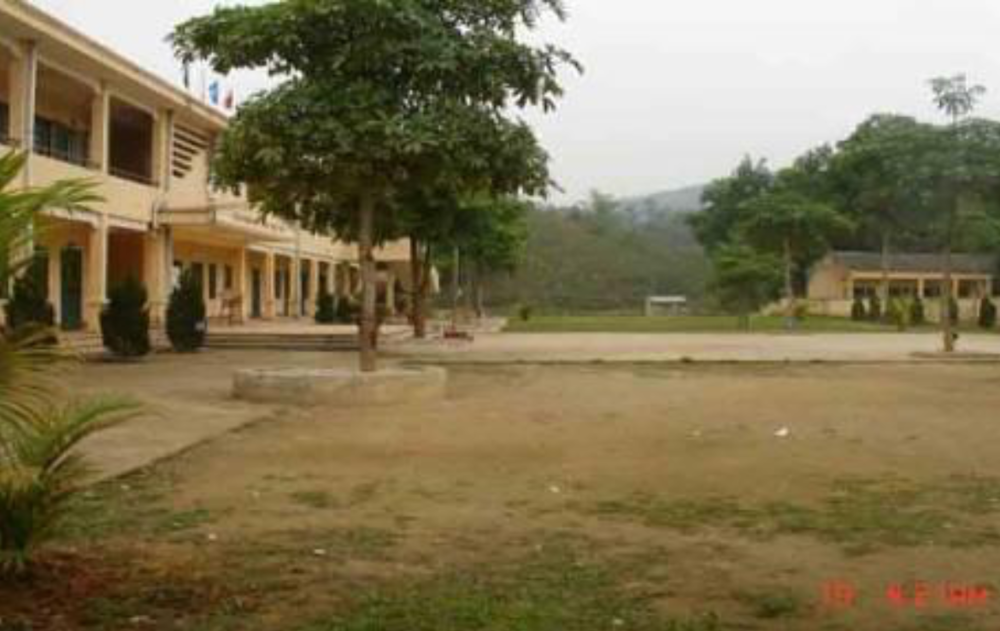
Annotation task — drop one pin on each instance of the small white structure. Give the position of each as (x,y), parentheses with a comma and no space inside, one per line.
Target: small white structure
(666,305)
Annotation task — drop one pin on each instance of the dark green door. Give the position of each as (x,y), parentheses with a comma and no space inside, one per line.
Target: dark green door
(71,291)
(256,292)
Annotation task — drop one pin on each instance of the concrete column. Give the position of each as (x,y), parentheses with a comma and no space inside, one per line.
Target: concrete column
(296,286)
(24,88)
(100,129)
(242,284)
(54,252)
(157,276)
(270,297)
(331,278)
(17,78)
(314,288)
(96,271)
(921,286)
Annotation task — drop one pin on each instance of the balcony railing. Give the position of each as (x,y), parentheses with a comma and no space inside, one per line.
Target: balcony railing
(138,178)
(66,156)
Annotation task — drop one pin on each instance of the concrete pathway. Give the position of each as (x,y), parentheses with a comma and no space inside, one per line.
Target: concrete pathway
(187,401)
(707,347)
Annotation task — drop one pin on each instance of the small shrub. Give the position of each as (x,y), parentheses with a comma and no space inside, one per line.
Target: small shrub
(28,309)
(858,311)
(896,314)
(987,314)
(918,315)
(875,308)
(801,312)
(525,313)
(125,321)
(326,309)
(186,326)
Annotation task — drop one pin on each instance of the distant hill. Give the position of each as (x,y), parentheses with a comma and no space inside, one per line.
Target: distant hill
(681,200)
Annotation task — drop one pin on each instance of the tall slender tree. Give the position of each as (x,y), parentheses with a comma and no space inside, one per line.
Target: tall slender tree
(956,98)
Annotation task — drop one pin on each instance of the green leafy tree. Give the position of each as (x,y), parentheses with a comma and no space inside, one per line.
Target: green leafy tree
(868,178)
(125,320)
(41,470)
(795,228)
(186,314)
(378,97)
(745,280)
(491,233)
(726,201)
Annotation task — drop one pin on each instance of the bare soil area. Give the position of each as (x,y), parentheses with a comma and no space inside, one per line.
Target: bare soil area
(543,498)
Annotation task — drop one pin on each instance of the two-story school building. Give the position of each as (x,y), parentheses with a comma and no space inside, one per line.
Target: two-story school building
(82,111)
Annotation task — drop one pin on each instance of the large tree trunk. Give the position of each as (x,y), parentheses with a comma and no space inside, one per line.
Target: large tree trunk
(884,285)
(947,294)
(366,254)
(419,281)
(789,286)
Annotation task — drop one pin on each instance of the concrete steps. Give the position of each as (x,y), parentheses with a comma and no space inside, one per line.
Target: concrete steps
(281,341)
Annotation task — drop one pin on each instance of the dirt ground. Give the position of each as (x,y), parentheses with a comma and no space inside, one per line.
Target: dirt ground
(635,497)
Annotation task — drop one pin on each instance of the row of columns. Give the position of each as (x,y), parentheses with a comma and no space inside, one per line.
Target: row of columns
(298,306)
(921,283)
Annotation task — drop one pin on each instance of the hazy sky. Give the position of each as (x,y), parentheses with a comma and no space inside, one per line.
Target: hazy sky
(676,91)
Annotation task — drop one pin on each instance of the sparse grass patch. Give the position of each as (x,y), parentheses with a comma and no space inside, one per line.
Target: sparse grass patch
(551,590)
(860,515)
(136,505)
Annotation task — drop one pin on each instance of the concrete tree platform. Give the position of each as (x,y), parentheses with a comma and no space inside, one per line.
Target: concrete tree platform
(341,387)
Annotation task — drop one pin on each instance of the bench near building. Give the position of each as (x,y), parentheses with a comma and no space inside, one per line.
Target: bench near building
(843,276)
(82,111)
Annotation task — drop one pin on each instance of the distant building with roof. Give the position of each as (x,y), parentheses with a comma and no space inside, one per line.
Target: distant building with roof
(843,276)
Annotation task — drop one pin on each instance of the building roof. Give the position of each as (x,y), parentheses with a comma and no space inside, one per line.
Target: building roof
(70,48)
(904,262)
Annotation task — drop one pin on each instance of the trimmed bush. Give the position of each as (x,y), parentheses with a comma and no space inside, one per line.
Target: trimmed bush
(896,314)
(525,312)
(918,315)
(875,308)
(348,311)
(858,311)
(125,321)
(326,309)
(987,314)
(28,309)
(186,325)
